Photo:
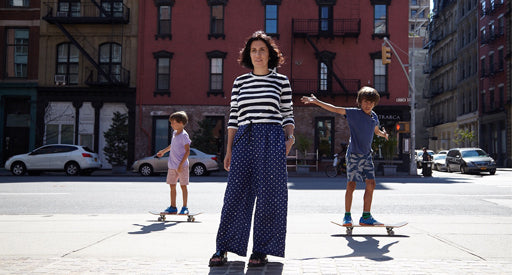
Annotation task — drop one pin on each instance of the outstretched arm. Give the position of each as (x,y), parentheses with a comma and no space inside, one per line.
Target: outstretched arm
(329,107)
(381,133)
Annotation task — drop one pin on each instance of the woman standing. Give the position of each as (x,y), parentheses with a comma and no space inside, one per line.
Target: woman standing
(260,135)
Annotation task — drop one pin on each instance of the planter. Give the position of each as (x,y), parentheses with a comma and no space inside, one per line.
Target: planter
(389,169)
(301,169)
(117,169)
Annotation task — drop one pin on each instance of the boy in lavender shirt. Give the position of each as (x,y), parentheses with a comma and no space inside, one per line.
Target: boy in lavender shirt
(179,150)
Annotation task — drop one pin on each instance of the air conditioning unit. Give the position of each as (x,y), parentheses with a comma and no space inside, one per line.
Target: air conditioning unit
(62,14)
(60,79)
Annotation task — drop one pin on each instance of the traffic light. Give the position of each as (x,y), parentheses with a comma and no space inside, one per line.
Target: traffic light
(386,54)
(403,127)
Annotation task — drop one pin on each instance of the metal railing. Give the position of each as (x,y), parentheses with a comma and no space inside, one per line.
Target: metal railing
(334,27)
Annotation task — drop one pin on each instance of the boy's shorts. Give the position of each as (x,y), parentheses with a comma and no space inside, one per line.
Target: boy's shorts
(173,175)
(360,167)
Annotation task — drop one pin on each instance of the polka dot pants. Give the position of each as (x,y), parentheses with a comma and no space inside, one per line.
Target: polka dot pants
(257,176)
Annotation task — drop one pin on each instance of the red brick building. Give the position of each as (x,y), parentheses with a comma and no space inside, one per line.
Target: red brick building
(19,61)
(494,89)
(188,50)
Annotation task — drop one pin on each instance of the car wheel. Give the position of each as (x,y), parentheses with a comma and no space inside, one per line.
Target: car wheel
(463,169)
(146,170)
(492,172)
(18,168)
(198,169)
(72,169)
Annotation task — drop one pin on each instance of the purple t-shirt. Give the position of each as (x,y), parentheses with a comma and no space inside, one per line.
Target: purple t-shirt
(362,128)
(177,151)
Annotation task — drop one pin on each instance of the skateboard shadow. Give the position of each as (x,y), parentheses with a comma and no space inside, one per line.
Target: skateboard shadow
(146,229)
(239,267)
(368,248)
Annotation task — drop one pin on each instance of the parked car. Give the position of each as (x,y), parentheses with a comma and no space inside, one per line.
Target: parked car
(199,164)
(439,162)
(73,159)
(419,157)
(467,160)
(442,152)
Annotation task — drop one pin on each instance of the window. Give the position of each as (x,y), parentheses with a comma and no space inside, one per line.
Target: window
(110,61)
(163,72)
(491,99)
(501,26)
(324,77)
(380,19)
(379,76)
(162,132)
(113,8)
(483,102)
(69,8)
(271,15)
(216,72)
(324,136)
(325,71)
(326,19)
(501,92)
(491,63)
(501,59)
(59,133)
(19,3)
(482,66)
(67,62)
(164,20)
(483,8)
(17,52)
(217,18)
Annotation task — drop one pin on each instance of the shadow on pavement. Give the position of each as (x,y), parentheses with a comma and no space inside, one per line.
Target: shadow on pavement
(238,267)
(146,229)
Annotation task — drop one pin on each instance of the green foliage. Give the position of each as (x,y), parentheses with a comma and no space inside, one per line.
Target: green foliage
(387,147)
(463,136)
(116,139)
(203,138)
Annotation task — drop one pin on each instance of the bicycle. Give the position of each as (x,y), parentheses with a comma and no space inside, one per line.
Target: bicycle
(338,166)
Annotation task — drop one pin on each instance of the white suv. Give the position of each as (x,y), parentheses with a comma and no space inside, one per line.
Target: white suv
(73,159)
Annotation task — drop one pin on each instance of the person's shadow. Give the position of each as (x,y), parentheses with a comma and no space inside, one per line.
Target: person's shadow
(146,229)
(368,248)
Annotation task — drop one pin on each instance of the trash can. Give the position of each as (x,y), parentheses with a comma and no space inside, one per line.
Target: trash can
(426,168)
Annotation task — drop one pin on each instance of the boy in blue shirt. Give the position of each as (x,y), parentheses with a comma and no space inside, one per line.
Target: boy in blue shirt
(363,123)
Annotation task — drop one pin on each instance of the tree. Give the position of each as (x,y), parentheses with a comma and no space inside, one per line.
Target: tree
(116,139)
(463,136)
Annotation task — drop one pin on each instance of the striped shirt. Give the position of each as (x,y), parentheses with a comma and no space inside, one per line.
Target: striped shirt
(261,99)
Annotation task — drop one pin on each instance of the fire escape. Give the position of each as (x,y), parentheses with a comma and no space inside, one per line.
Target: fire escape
(65,14)
(312,30)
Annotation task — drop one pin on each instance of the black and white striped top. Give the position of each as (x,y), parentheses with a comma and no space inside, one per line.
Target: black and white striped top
(261,99)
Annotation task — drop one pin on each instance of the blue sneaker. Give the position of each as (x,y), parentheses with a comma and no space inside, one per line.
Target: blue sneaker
(347,220)
(184,211)
(171,210)
(369,221)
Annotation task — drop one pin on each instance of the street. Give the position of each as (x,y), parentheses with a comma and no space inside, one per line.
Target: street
(51,222)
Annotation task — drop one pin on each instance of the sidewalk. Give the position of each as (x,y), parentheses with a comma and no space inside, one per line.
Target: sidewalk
(138,244)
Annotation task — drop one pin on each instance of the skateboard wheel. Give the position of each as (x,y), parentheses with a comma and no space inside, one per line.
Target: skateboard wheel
(159,219)
(349,231)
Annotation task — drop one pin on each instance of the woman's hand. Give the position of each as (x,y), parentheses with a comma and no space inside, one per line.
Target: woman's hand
(289,143)
(227,161)
(308,99)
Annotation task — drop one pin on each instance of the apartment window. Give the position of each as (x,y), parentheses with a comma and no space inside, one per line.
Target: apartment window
(501,92)
(163,72)
(164,17)
(59,133)
(19,3)
(271,15)
(380,19)
(67,62)
(17,52)
(491,63)
(68,8)
(501,58)
(325,71)
(491,99)
(483,7)
(113,8)
(162,132)
(110,61)
(217,18)
(501,25)
(483,102)
(482,66)
(482,36)
(379,76)
(216,72)
(326,20)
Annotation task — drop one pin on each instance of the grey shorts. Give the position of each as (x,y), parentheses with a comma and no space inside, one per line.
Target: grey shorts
(360,167)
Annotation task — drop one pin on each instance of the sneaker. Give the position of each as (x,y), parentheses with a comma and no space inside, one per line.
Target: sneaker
(171,210)
(184,211)
(369,221)
(347,221)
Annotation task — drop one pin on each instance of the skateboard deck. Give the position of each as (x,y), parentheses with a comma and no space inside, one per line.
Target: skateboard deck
(190,217)
(389,227)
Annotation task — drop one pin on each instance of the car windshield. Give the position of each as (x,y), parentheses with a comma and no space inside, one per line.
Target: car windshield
(439,157)
(474,153)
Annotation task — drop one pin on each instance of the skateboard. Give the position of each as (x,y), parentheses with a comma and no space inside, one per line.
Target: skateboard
(190,217)
(389,227)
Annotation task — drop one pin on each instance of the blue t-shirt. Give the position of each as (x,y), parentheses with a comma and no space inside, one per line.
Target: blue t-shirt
(362,129)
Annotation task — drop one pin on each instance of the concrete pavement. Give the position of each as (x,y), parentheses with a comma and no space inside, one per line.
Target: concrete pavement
(139,244)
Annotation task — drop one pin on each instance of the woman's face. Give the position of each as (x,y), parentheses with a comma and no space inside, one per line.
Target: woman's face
(259,55)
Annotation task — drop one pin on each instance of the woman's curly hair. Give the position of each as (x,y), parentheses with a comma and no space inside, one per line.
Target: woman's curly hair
(275,58)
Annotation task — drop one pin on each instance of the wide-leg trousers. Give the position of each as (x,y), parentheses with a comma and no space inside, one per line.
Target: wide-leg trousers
(257,173)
